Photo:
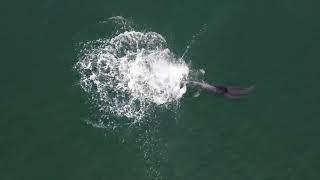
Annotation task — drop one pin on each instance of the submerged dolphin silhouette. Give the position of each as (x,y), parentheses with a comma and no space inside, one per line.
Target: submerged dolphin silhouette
(227,91)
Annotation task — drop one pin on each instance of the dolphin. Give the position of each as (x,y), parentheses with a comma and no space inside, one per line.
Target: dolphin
(227,91)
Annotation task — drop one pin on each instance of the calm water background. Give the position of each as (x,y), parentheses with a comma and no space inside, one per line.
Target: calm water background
(274,134)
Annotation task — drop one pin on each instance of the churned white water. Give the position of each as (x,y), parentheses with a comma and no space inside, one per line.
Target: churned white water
(131,73)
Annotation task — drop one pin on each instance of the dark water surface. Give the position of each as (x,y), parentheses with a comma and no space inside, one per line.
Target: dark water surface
(274,134)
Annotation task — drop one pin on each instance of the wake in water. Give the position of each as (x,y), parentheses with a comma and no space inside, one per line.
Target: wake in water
(128,77)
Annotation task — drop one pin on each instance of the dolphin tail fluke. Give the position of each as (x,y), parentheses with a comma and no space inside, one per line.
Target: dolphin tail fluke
(238,92)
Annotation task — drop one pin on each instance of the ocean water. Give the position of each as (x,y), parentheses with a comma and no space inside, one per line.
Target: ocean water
(94,90)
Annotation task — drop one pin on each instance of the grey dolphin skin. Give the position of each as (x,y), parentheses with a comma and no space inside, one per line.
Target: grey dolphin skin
(227,91)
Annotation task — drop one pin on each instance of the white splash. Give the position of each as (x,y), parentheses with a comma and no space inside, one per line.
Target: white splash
(131,73)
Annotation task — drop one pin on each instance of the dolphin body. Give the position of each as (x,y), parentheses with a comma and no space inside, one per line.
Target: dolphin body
(227,91)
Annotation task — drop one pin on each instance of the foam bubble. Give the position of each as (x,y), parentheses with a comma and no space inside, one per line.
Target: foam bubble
(131,73)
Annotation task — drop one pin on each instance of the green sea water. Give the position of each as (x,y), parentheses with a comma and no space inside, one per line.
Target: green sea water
(271,135)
